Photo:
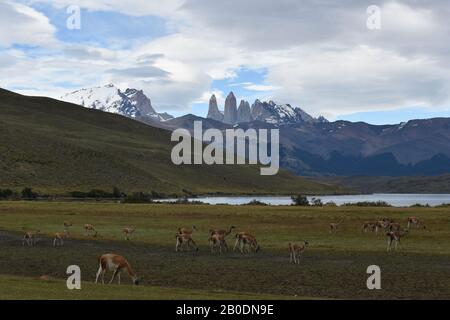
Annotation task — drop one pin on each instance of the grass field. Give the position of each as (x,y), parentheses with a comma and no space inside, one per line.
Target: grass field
(334,265)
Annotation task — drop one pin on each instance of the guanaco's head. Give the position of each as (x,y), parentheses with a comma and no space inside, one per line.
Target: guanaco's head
(306,242)
(135,281)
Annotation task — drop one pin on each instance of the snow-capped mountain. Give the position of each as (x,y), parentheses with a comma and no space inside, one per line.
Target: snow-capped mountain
(269,112)
(131,103)
(273,113)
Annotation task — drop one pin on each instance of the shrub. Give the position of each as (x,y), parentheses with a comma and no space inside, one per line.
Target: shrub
(369,204)
(317,202)
(6,193)
(300,200)
(28,193)
(138,197)
(255,202)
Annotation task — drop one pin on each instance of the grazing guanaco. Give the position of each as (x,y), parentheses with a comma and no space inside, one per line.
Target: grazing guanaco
(368,226)
(116,264)
(90,230)
(128,231)
(184,240)
(30,238)
(334,226)
(247,242)
(296,251)
(394,237)
(187,230)
(414,221)
(59,238)
(217,240)
(219,231)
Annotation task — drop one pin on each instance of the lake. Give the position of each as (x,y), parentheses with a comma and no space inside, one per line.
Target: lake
(396,200)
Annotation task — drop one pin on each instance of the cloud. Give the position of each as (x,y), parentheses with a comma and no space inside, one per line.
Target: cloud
(134,8)
(20,24)
(139,72)
(260,87)
(318,54)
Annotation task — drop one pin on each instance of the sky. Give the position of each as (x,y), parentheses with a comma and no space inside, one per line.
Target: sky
(340,59)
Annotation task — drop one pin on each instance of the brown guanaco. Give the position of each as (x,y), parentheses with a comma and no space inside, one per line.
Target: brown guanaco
(116,264)
(59,238)
(297,250)
(184,240)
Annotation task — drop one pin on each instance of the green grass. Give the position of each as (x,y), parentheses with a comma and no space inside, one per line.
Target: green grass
(25,288)
(334,266)
(56,147)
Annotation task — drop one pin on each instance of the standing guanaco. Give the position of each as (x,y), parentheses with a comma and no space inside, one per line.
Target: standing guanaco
(59,238)
(184,240)
(413,221)
(381,224)
(247,242)
(217,240)
(219,231)
(128,231)
(187,230)
(296,251)
(116,264)
(30,238)
(238,239)
(394,237)
(90,230)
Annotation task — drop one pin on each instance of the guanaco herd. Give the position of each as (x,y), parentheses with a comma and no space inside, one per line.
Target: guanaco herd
(244,241)
(393,230)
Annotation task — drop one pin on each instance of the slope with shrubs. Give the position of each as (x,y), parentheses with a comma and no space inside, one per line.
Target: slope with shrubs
(56,147)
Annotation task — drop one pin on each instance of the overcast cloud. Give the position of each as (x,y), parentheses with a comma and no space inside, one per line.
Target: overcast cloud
(319,54)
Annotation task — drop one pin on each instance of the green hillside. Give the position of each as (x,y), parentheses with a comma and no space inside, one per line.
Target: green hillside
(56,147)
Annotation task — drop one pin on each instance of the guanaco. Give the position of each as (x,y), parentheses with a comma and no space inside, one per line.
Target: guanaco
(238,239)
(59,238)
(187,230)
(90,230)
(218,231)
(334,226)
(30,238)
(128,231)
(217,240)
(184,240)
(247,242)
(394,237)
(414,221)
(116,264)
(297,250)
(381,225)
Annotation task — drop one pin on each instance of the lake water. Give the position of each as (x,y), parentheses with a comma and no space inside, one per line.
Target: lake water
(396,200)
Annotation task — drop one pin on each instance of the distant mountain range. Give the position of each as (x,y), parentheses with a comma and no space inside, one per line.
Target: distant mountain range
(309,146)
(269,112)
(58,147)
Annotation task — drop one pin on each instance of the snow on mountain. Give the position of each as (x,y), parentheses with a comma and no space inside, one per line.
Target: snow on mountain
(273,113)
(269,112)
(131,103)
